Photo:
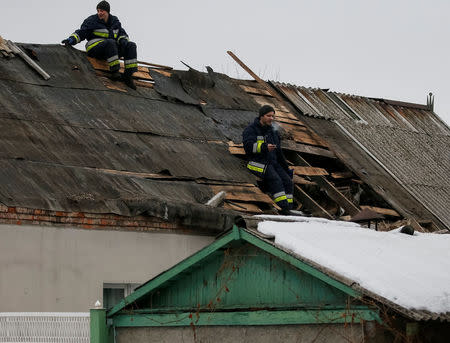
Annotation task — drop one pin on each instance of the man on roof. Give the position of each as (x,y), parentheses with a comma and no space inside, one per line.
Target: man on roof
(107,40)
(262,145)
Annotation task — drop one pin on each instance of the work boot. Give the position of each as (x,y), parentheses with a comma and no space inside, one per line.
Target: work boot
(285,212)
(128,79)
(115,76)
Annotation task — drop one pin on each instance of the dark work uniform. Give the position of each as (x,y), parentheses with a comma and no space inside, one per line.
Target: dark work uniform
(108,41)
(271,166)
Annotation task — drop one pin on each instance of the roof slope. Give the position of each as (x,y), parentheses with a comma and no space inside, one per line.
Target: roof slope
(400,149)
(71,143)
(408,271)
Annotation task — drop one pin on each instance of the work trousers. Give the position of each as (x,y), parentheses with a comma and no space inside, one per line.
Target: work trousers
(110,51)
(280,185)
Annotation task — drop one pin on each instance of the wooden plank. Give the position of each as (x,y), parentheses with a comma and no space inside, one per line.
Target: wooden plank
(287,120)
(142,75)
(310,203)
(331,191)
(288,115)
(143,84)
(261,82)
(236,150)
(16,50)
(308,170)
(162,72)
(244,194)
(305,138)
(247,318)
(102,65)
(342,175)
(242,207)
(380,210)
(301,181)
(155,65)
(309,149)
(115,87)
(254,90)
(303,134)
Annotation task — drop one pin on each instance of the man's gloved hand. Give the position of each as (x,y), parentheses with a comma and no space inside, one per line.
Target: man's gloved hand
(291,173)
(69,41)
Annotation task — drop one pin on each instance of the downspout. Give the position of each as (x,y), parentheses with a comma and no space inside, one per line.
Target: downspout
(353,138)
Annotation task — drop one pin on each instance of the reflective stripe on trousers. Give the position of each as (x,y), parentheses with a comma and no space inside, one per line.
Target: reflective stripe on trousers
(93,42)
(255,166)
(290,198)
(132,63)
(280,196)
(113,60)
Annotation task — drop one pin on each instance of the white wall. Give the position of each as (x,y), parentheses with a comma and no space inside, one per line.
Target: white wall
(63,270)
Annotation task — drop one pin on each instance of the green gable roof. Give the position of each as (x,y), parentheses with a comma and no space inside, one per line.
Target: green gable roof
(238,272)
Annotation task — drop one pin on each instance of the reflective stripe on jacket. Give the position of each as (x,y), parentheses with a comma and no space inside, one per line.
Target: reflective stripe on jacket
(93,28)
(255,138)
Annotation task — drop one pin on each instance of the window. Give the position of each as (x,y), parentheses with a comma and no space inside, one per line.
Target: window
(114,292)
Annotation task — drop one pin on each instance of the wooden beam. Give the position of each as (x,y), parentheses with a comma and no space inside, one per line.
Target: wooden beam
(385,211)
(308,171)
(236,150)
(273,92)
(331,190)
(242,207)
(342,175)
(141,73)
(243,194)
(261,317)
(308,149)
(301,181)
(16,50)
(254,90)
(154,65)
(310,203)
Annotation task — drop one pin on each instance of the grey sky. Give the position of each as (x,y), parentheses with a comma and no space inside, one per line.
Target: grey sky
(393,49)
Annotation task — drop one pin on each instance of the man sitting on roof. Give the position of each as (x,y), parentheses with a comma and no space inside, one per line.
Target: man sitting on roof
(107,40)
(262,146)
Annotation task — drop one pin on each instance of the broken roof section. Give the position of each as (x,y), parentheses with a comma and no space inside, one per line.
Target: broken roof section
(81,142)
(400,149)
(73,144)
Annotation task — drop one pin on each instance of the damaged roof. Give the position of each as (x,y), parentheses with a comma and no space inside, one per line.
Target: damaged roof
(79,142)
(400,149)
(73,144)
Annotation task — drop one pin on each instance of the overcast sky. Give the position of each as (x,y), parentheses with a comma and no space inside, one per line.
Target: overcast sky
(394,49)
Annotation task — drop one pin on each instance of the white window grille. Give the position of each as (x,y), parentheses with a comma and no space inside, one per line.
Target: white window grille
(48,327)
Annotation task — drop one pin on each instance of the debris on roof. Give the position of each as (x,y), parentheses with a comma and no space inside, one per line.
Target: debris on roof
(80,142)
(399,149)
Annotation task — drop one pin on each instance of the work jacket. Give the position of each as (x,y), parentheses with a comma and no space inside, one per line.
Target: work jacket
(255,138)
(95,30)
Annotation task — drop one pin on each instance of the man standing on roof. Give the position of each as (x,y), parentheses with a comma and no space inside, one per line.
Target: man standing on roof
(262,146)
(107,40)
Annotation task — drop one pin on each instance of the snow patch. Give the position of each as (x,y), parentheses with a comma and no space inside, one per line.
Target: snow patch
(411,271)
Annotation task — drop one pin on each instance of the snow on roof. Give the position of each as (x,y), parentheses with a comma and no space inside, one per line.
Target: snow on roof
(410,271)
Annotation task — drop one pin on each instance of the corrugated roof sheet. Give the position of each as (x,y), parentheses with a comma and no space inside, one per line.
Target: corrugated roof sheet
(72,144)
(411,143)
